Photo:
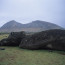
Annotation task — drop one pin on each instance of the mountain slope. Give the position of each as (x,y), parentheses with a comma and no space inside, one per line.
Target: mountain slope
(42,24)
(11,24)
(34,26)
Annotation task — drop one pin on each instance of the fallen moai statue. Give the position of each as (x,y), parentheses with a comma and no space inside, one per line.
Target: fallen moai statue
(49,39)
(13,39)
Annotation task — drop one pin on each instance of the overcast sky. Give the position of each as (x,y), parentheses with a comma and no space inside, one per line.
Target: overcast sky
(25,11)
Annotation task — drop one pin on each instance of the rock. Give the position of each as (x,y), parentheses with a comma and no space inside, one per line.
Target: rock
(13,39)
(2,48)
(50,39)
(50,50)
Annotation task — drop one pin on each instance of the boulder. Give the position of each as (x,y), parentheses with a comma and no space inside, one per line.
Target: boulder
(13,39)
(50,39)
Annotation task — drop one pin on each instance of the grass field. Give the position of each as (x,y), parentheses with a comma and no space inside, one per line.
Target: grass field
(17,56)
(3,36)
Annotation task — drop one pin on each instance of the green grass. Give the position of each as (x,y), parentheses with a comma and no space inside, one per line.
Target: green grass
(17,56)
(3,36)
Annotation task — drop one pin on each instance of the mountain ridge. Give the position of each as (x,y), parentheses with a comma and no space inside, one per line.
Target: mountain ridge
(34,26)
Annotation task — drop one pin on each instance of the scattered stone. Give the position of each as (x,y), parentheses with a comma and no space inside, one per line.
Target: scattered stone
(2,48)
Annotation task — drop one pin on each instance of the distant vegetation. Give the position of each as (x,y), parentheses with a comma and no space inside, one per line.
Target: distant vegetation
(1,33)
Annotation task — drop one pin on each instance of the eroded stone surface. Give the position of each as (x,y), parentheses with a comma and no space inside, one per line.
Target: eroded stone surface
(13,39)
(50,39)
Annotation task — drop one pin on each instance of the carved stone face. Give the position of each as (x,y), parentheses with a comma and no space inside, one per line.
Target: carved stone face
(8,42)
(13,39)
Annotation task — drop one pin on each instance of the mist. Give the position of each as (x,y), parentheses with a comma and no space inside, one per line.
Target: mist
(25,11)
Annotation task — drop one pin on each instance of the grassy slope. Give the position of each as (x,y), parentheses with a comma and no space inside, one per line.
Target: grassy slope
(3,36)
(17,56)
